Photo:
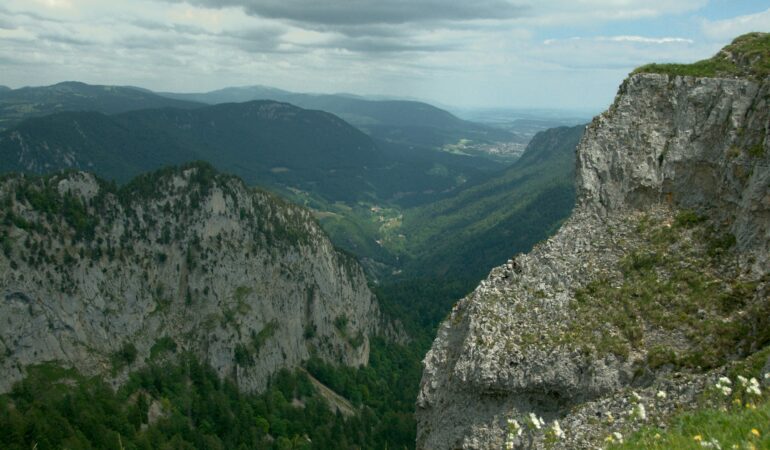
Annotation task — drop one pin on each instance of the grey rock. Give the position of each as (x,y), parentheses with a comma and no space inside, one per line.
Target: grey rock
(214,268)
(666,144)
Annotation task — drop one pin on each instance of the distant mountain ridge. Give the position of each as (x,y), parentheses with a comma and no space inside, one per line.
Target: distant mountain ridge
(401,121)
(264,142)
(18,104)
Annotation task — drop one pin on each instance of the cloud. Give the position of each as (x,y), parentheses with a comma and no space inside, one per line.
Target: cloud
(646,40)
(485,51)
(633,39)
(729,28)
(379,46)
(622,52)
(368,12)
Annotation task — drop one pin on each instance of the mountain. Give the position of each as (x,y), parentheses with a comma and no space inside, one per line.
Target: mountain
(18,104)
(649,301)
(266,143)
(483,223)
(4,88)
(107,280)
(233,95)
(409,123)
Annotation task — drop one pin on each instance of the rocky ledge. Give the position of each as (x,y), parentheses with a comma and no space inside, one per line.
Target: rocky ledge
(182,260)
(657,283)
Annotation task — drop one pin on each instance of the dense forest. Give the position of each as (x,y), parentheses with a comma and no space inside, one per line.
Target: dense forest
(184,405)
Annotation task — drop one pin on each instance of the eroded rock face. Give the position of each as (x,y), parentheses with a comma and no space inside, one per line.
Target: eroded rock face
(516,345)
(697,142)
(188,259)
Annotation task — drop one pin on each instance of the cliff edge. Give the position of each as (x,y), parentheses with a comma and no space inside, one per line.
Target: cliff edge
(106,280)
(659,279)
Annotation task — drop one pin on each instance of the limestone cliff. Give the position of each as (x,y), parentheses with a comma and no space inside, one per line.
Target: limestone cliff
(106,279)
(658,279)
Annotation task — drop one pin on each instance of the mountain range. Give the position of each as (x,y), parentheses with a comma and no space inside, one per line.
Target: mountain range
(19,104)
(267,143)
(407,122)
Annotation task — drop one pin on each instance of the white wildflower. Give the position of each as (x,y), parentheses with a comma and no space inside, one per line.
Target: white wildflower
(767,376)
(742,380)
(639,412)
(557,431)
(636,396)
(723,384)
(661,395)
(753,387)
(713,443)
(535,422)
(514,427)
(618,437)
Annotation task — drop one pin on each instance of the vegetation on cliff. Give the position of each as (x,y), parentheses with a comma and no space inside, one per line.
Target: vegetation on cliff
(747,56)
(185,405)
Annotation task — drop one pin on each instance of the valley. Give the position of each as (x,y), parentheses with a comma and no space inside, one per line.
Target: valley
(374,196)
(191,258)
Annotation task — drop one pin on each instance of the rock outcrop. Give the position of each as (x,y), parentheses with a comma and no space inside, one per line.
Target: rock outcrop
(643,287)
(105,279)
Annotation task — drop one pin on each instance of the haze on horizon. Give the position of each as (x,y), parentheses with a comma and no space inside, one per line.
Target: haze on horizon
(562,54)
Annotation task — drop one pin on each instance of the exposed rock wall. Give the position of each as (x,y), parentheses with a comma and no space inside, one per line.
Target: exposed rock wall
(697,142)
(517,345)
(185,258)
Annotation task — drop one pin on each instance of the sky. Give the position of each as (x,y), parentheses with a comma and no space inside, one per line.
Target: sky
(561,54)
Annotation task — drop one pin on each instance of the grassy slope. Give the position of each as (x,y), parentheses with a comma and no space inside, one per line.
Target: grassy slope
(484,224)
(738,420)
(747,56)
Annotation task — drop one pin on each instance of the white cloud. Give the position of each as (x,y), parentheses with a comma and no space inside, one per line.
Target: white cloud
(474,58)
(730,28)
(646,40)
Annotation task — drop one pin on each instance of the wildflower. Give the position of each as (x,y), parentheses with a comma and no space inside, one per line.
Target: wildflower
(557,431)
(753,387)
(618,437)
(767,376)
(742,380)
(755,432)
(723,384)
(657,436)
(636,396)
(535,422)
(639,412)
(513,427)
(697,438)
(713,443)
(725,380)
(661,395)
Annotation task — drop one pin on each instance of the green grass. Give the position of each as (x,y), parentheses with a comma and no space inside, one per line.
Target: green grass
(673,284)
(747,56)
(730,427)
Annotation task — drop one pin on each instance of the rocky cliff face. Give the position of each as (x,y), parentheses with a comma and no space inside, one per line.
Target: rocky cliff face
(105,280)
(658,278)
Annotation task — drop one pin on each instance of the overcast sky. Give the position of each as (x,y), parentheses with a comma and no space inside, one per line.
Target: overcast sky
(504,53)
